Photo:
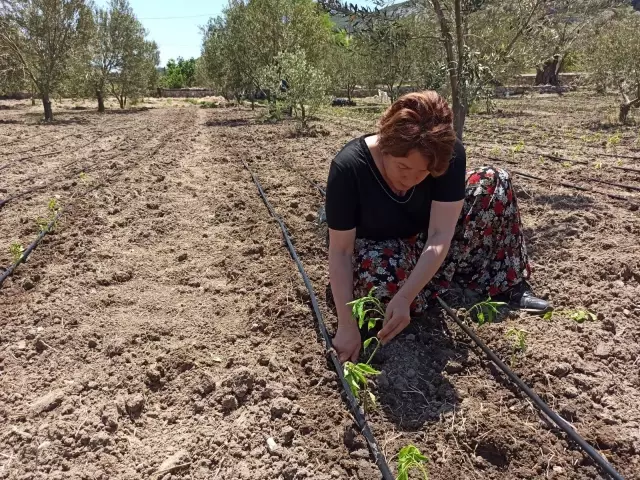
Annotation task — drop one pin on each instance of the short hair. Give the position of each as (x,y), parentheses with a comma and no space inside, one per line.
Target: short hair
(419,121)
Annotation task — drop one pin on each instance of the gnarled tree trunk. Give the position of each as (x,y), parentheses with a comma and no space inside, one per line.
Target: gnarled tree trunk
(548,73)
(100,101)
(48,112)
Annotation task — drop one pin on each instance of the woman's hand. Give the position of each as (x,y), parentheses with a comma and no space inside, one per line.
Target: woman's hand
(347,341)
(397,318)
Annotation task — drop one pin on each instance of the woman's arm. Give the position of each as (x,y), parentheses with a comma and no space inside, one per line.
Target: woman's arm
(347,339)
(442,225)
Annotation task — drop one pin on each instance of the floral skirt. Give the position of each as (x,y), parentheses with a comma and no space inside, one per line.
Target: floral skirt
(487,254)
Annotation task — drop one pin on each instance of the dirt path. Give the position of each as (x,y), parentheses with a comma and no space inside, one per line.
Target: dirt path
(166,330)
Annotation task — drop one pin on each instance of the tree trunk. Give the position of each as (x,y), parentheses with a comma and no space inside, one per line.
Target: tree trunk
(121,102)
(303,114)
(100,101)
(625,108)
(48,112)
(548,74)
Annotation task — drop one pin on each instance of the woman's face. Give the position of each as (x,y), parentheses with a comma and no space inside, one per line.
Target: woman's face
(405,172)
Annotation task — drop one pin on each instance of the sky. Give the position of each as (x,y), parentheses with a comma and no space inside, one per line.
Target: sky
(174,25)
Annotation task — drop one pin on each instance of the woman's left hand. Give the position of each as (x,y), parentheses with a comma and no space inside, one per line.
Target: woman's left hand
(397,318)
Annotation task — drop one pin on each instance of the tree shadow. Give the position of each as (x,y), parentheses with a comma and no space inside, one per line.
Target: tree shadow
(9,122)
(564,201)
(232,122)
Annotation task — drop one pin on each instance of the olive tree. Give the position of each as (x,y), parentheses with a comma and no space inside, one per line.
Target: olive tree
(346,63)
(301,86)
(118,53)
(43,37)
(615,59)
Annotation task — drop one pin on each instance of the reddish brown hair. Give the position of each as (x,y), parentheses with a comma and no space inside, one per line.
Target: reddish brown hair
(419,121)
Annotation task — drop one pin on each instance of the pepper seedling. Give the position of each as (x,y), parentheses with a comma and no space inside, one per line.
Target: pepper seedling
(366,310)
(17,250)
(410,458)
(486,310)
(519,342)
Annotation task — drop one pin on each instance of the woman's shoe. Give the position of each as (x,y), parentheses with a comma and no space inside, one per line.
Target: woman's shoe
(522,298)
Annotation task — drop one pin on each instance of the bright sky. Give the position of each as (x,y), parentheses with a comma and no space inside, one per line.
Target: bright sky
(174,25)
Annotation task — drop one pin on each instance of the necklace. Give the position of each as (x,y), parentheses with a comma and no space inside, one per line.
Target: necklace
(401,202)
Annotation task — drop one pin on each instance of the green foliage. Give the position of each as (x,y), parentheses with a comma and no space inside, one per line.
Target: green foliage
(578,315)
(180,73)
(410,458)
(43,37)
(305,84)
(16,250)
(518,148)
(518,339)
(486,311)
(368,309)
(248,40)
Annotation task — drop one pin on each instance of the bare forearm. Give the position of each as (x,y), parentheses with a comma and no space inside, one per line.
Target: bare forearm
(430,261)
(341,278)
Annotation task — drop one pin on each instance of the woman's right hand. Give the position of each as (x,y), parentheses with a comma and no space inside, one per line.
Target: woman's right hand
(347,341)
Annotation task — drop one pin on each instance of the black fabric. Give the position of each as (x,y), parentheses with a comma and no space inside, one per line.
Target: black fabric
(358,197)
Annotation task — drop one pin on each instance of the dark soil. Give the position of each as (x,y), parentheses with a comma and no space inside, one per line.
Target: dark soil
(166,332)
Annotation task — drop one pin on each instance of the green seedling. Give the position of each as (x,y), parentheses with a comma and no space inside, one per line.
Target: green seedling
(614,140)
(580,316)
(519,147)
(486,311)
(53,206)
(566,164)
(541,160)
(367,310)
(598,165)
(495,151)
(42,223)
(17,250)
(410,458)
(519,342)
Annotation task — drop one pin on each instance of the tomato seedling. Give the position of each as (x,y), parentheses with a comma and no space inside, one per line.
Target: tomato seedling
(366,310)
(17,250)
(410,458)
(486,311)
(579,316)
(519,342)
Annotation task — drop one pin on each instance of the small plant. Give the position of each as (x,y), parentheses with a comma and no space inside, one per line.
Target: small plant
(580,316)
(486,310)
(598,165)
(614,140)
(410,458)
(566,164)
(366,310)
(17,250)
(541,160)
(42,223)
(495,151)
(519,147)
(519,342)
(53,206)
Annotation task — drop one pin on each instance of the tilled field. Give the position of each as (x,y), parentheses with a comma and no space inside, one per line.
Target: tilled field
(162,331)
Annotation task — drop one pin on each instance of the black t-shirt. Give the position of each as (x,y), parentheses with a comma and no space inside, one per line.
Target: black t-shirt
(358,196)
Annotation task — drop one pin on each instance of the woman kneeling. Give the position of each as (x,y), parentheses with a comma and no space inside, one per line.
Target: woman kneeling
(406,217)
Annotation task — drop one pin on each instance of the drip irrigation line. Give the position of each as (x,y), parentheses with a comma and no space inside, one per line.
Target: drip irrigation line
(564,184)
(312,182)
(353,403)
(9,270)
(557,419)
(46,154)
(562,159)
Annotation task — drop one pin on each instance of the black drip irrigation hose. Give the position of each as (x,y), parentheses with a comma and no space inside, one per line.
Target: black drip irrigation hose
(557,419)
(23,258)
(554,417)
(564,184)
(353,403)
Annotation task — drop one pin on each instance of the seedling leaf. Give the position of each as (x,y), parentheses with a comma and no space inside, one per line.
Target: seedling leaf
(548,315)
(367,342)
(409,457)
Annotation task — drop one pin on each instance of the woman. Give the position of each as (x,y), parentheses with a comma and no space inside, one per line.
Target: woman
(406,217)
